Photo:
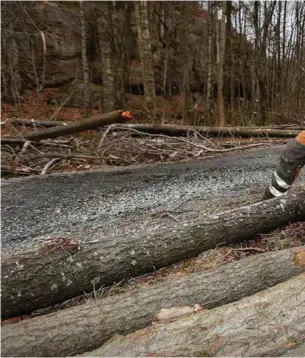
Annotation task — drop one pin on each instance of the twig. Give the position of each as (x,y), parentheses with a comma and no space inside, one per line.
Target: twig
(24,147)
(68,156)
(104,136)
(249,249)
(44,47)
(49,165)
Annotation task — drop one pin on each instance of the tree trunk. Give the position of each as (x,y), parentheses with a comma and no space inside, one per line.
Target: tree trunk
(228,57)
(68,269)
(209,58)
(128,312)
(144,41)
(261,74)
(221,40)
(84,58)
(79,126)
(107,62)
(176,130)
(264,324)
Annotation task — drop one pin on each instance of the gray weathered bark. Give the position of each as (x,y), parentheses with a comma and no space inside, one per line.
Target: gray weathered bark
(64,269)
(264,324)
(89,325)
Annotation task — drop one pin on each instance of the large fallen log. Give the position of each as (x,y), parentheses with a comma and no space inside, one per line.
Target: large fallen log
(80,126)
(124,313)
(175,130)
(265,324)
(63,269)
(263,129)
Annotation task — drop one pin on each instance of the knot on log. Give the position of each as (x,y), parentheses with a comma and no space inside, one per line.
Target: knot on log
(68,245)
(299,258)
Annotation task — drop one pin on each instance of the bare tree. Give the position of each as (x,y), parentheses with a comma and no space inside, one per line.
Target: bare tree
(106,55)
(144,42)
(84,58)
(221,40)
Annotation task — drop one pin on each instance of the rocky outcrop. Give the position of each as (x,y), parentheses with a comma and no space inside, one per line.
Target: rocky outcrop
(45,22)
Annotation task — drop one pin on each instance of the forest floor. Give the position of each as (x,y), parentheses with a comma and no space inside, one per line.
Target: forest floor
(100,149)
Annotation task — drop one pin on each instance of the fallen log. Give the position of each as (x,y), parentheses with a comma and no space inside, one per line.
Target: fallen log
(63,268)
(12,141)
(128,312)
(80,126)
(9,170)
(184,131)
(264,324)
(35,123)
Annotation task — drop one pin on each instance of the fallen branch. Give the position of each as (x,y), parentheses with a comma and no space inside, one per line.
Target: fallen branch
(48,166)
(68,156)
(35,123)
(10,170)
(264,324)
(173,130)
(35,279)
(80,126)
(13,141)
(124,313)
(19,141)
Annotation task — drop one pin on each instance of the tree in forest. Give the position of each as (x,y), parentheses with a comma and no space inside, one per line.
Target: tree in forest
(105,30)
(145,50)
(244,66)
(220,44)
(84,59)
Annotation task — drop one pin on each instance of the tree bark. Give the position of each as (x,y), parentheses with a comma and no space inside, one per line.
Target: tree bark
(209,57)
(221,41)
(106,39)
(176,130)
(144,41)
(89,325)
(69,269)
(35,123)
(264,324)
(85,64)
(80,126)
